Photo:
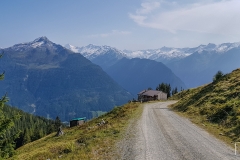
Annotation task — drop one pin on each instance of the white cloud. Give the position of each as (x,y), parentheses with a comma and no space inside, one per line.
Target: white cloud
(148,7)
(138,19)
(222,17)
(112,33)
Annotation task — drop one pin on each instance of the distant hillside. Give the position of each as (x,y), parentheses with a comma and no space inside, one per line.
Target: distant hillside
(194,66)
(49,80)
(29,127)
(198,68)
(104,56)
(137,74)
(214,104)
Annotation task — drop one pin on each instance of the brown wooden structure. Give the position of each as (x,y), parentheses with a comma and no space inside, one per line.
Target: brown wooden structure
(151,95)
(77,121)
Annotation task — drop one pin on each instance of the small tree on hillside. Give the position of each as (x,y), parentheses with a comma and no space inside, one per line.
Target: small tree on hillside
(57,123)
(174,91)
(58,126)
(218,75)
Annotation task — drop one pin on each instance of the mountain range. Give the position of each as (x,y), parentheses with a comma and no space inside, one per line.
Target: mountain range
(50,80)
(200,67)
(164,54)
(134,74)
(194,66)
(105,56)
(138,74)
(46,79)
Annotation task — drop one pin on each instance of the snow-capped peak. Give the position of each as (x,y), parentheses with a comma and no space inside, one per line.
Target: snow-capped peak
(39,42)
(92,51)
(221,48)
(71,47)
(163,54)
(159,54)
(41,39)
(224,47)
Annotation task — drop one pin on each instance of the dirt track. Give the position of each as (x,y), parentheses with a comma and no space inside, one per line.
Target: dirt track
(160,134)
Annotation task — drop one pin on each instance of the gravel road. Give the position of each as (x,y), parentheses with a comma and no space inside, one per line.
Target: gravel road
(160,134)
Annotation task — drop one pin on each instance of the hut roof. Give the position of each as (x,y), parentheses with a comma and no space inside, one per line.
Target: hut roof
(79,119)
(149,93)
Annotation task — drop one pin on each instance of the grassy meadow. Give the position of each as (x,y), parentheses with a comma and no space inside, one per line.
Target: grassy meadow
(215,106)
(88,141)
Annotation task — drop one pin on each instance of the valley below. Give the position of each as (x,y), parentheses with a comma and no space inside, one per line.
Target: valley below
(49,80)
(120,80)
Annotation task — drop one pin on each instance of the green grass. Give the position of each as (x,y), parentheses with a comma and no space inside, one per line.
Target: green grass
(88,141)
(215,107)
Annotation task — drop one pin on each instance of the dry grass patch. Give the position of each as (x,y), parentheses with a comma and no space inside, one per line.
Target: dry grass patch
(214,107)
(88,141)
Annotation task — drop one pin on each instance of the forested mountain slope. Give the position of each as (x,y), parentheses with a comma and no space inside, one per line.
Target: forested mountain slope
(49,80)
(28,127)
(137,74)
(197,69)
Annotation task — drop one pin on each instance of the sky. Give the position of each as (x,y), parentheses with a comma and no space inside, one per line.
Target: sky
(123,24)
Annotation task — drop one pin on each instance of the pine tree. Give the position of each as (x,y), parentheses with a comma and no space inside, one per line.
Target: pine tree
(218,75)
(168,90)
(26,137)
(58,123)
(175,91)
(164,87)
(6,144)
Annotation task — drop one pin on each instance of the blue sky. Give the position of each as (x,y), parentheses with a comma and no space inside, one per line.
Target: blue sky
(124,24)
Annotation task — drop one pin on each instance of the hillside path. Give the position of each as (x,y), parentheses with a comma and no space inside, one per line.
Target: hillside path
(161,134)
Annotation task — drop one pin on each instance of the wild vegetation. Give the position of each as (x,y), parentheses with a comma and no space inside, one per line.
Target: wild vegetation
(215,106)
(6,123)
(6,139)
(164,87)
(88,141)
(28,127)
(18,128)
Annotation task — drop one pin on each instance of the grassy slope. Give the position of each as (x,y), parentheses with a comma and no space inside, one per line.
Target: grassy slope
(88,141)
(215,107)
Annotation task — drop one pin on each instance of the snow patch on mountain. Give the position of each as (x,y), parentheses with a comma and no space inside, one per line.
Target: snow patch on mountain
(39,42)
(92,51)
(163,54)
(226,47)
(221,48)
(71,47)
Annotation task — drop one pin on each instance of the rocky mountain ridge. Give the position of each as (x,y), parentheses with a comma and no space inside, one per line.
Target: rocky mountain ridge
(46,79)
(163,54)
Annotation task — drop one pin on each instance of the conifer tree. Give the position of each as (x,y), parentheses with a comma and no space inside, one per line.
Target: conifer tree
(164,87)
(174,91)
(218,75)
(6,144)
(58,123)
(26,137)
